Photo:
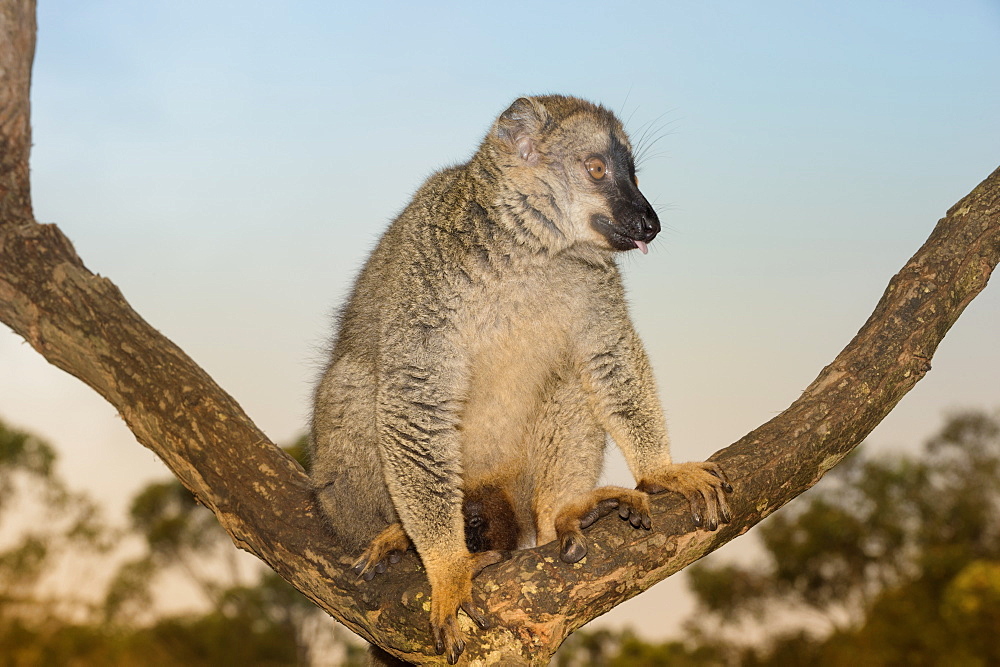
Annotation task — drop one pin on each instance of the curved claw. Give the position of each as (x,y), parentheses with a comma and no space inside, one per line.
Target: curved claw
(367,569)
(573,547)
(448,640)
(448,637)
(637,517)
(473,608)
(720,473)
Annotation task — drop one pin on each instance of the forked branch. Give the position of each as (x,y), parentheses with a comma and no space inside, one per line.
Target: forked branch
(81,323)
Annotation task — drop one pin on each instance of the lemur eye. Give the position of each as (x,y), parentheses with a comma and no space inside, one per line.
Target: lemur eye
(595,167)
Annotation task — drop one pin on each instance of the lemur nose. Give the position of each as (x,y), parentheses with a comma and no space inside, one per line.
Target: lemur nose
(649,224)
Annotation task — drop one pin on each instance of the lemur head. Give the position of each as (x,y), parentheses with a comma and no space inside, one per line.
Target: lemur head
(567,176)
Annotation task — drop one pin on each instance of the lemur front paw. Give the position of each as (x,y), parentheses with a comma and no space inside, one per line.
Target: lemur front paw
(386,549)
(703,485)
(632,506)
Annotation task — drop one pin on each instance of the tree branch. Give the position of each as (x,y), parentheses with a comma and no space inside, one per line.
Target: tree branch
(17,50)
(81,323)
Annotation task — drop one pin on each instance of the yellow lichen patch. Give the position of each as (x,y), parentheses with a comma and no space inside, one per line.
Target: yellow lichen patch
(831,379)
(657,541)
(309,554)
(829,462)
(488,586)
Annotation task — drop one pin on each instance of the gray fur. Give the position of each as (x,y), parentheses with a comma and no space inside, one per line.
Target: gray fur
(487,341)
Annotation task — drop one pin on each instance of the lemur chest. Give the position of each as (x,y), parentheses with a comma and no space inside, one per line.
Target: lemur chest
(517,331)
(517,341)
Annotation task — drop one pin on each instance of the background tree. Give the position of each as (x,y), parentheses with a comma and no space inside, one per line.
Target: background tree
(253,618)
(178,535)
(896,558)
(48,533)
(81,323)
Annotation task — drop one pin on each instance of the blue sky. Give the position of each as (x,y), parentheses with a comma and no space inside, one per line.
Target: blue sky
(230,164)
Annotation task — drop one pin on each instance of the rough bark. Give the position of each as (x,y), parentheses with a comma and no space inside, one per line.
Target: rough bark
(81,323)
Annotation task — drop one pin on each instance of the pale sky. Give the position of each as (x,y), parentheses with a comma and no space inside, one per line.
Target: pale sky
(229,165)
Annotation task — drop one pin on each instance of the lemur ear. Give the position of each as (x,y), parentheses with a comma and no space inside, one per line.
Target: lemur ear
(520,126)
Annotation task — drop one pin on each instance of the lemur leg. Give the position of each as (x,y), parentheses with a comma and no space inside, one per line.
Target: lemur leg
(566,446)
(568,443)
(703,485)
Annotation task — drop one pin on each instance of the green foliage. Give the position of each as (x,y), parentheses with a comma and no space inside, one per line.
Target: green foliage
(253,618)
(129,593)
(299,450)
(24,562)
(260,621)
(22,455)
(166,515)
(971,608)
(900,556)
(48,521)
(23,451)
(606,648)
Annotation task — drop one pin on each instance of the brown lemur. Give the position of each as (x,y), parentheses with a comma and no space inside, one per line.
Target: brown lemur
(484,356)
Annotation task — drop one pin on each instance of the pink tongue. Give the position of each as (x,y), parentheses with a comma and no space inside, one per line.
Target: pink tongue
(641,246)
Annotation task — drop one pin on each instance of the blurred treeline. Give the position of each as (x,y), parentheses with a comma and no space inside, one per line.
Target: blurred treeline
(892,560)
(75,590)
